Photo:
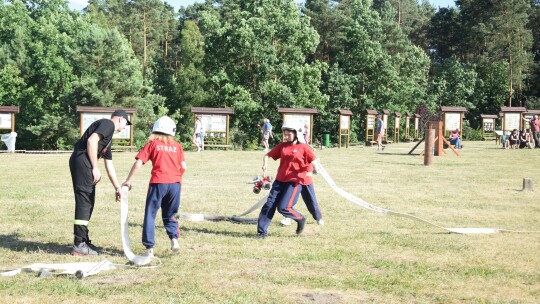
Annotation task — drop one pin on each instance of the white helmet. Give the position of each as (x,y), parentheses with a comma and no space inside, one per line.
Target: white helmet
(165,125)
(289,125)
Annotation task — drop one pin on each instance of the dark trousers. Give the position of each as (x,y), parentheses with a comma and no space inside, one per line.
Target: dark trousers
(536,136)
(166,197)
(308,195)
(282,197)
(85,194)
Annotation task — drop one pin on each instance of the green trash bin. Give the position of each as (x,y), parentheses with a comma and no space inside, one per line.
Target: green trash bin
(326,139)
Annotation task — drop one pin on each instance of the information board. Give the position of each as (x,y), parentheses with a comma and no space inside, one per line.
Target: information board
(371,121)
(214,123)
(489,124)
(89,118)
(511,121)
(298,119)
(452,121)
(5,121)
(344,122)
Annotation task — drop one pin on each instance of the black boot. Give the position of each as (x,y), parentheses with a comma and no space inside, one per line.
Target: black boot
(301,224)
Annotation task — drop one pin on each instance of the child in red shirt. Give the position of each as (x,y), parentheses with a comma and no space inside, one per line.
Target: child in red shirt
(168,166)
(293,174)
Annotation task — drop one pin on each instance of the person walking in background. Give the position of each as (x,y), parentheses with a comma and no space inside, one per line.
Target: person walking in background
(292,176)
(455,139)
(380,129)
(266,134)
(306,135)
(168,166)
(198,135)
(95,143)
(535,130)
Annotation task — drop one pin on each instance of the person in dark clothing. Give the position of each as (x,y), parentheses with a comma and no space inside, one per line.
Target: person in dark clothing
(94,144)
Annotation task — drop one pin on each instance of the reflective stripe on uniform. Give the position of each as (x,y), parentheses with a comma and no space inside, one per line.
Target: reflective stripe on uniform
(80,222)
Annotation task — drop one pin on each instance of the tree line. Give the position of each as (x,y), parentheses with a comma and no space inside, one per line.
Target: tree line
(258,55)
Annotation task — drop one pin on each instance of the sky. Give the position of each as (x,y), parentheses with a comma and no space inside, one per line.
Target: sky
(80,4)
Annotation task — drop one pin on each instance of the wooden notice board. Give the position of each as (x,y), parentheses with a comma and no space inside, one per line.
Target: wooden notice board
(88,115)
(299,117)
(512,118)
(371,118)
(215,123)
(452,119)
(344,127)
(7,117)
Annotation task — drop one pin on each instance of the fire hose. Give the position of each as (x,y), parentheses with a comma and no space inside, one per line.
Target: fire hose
(135,259)
(346,195)
(85,269)
(322,171)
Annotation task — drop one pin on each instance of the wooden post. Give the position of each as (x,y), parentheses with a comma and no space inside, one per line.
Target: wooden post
(428,148)
(397,119)
(440,136)
(527,184)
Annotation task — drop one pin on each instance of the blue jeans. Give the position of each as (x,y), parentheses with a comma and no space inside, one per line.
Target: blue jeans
(456,142)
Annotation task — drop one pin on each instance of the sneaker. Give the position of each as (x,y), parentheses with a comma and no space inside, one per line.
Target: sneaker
(149,253)
(301,224)
(286,221)
(261,236)
(175,247)
(93,247)
(83,250)
(320,222)
(383,148)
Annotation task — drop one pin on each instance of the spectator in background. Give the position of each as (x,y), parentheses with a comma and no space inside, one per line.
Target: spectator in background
(198,135)
(535,130)
(266,133)
(306,135)
(505,139)
(455,139)
(380,129)
(524,140)
(513,140)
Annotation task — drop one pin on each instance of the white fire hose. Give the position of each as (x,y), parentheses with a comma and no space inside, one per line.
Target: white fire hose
(85,269)
(135,259)
(322,171)
(79,270)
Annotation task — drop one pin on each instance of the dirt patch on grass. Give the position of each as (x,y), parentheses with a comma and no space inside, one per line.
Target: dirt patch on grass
(321,298)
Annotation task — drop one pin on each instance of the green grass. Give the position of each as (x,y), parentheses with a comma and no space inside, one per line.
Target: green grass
(358,257)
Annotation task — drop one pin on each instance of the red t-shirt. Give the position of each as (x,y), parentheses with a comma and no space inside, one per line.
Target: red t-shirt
(166,160)
(295,162)
(535,125)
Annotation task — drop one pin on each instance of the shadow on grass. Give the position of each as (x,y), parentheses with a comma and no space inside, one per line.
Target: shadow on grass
(219,232)
(398,154)
(14,242)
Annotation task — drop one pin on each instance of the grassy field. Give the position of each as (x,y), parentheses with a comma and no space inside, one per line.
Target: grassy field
(359,256)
